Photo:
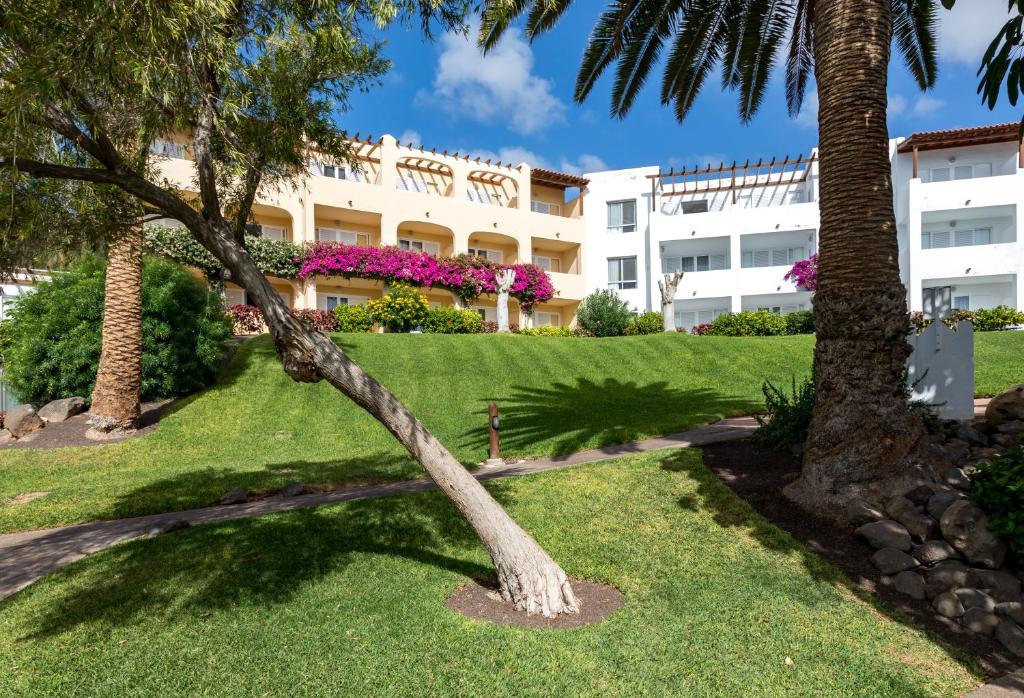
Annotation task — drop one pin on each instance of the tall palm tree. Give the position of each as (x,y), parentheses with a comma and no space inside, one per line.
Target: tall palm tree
(863,436)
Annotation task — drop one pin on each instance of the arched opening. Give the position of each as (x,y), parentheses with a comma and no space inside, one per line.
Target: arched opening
(492,188)
(271,223)
(424,176)
(333,224)
(494,247)
(426,237)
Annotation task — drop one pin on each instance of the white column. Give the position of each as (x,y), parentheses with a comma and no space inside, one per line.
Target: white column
(914,277)
(736,266)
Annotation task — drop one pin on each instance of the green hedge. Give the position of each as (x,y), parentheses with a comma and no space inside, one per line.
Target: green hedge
(449,320)
(56,334)
(749,323)
(650,322)
(353,318)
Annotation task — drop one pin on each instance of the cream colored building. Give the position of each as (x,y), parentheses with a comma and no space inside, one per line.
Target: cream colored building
(440,203)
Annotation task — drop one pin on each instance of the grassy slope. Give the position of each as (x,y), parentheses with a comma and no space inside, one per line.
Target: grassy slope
(258,429)
(348,600)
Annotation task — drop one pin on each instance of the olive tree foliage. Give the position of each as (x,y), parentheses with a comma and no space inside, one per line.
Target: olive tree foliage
(255,87)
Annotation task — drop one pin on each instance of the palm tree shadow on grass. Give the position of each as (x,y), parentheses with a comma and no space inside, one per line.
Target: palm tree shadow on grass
(598,414)
(257,562)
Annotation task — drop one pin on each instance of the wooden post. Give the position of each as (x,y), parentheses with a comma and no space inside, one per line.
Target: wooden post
(915,162)
(493,426)
(1020,156)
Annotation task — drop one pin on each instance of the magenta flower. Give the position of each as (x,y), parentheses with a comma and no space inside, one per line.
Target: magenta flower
(804,274)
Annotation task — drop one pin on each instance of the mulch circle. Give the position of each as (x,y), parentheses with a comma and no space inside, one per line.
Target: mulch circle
(758,475)
(479,599)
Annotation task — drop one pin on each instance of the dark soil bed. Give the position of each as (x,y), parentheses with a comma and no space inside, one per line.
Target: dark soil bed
(758,476)
(479,599)
(72,431)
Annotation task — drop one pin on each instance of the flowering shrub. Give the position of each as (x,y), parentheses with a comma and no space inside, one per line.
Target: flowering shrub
(353,318)
(247,318)
(604,314)
(447,320)
(275,257)
(465,276)
(402,309)
(319,320)
(701,329)
(490,327)
(650,322)
(804,274)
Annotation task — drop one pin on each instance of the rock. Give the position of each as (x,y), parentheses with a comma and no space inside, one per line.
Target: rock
(235,496)
(945,576)
(965,526)
(6,436)
(976,598)
(999,584)
(934,551)
(860,512)
(60,410)
(939,501)
(891,561)
(1005,440)
(1014,427)
(957,450)
(979,621)
(1006,406)
(972,436)
(956,477)
(1012,637)
(1014,610)
(167,526)
(22,420)
(920,495)
(885,534)
(293,489)
(920,526)
(982,454)
(947,604)
(910,583)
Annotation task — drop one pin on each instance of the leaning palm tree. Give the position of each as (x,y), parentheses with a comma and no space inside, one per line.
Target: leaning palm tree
(863,437)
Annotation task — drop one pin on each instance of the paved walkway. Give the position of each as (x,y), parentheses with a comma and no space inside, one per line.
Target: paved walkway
(30,555)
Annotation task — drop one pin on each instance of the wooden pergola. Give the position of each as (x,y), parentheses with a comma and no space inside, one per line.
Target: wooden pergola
(731,178)
(962,138)
(425,165)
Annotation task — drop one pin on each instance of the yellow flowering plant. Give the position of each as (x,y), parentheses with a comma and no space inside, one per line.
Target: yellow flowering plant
(402,309)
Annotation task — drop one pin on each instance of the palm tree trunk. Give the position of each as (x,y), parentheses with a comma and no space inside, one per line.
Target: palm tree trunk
(115,398)
(863,439)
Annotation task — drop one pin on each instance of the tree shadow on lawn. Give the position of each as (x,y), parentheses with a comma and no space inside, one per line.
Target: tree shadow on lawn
(255,562)
(818,554)
(204,487)
(597,414)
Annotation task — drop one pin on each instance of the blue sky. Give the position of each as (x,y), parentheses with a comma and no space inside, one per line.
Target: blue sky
(516,103)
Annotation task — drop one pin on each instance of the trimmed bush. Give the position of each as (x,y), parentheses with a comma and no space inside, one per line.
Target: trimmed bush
(548,331)
(449,320)
(319,320)
(998,318)
(749,323)
(788,417)
(353,318)
(247,319)
(800,322)
(6,339)
(401,310)
(604,314)
(650,322)
(57,334)
(998,488)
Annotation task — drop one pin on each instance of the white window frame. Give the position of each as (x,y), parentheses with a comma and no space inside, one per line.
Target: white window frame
(699,317)
(693,263)
(953,237)
(545,207)
(428,246)
(335,235)
(234,296)
(748,258)
(263,228)
(623,284)
(161,147)
(486,313)
(978,170)
(324,299)
(957,305)
(622,227)
(553,319)
(491,255)
(553,265)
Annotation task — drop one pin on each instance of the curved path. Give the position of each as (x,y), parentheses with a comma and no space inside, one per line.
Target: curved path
(30,555)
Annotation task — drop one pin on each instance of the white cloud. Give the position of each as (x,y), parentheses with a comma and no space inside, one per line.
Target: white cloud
(967,30)
(584,163)
(927,106)
(808,116)
(516,155)
(500,86)
(410,136)
(897,105)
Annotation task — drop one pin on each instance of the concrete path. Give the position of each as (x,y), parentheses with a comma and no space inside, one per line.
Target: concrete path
(1009,686)
(28,556)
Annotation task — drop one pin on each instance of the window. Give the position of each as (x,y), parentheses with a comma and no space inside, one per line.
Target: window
(330,301)
(337,171)
(488,314)
(348,237)
(773,257)
(407,182)
(622,272)
(781,309)
(479,195)
(945,174)
(622,217)
(167,149)
(936,239)
(490,255)
(687,319)
(548,264)
(962,302)
(268,232)
(234,296)
(936,301)
(701,262)
(796,197)
(540,318)
(545,207)
(694,206)
(433,248)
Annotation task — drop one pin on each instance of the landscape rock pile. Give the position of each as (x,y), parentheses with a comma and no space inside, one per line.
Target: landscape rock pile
(23,420)
(934,541)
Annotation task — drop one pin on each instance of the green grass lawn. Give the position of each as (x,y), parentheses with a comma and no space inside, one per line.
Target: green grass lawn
(260,430)
(349,600)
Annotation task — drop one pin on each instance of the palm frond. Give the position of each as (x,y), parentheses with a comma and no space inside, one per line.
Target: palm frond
(766,27)
(545,14)
(800,62)
(731,60)
(701,35)
(913,30)
(603,47)
(644,34)
(495,19)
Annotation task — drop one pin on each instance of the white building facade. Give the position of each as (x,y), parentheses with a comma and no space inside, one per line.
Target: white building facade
(736,230)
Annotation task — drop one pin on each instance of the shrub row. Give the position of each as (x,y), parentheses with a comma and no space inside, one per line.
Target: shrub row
(983,319)
(758,323)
